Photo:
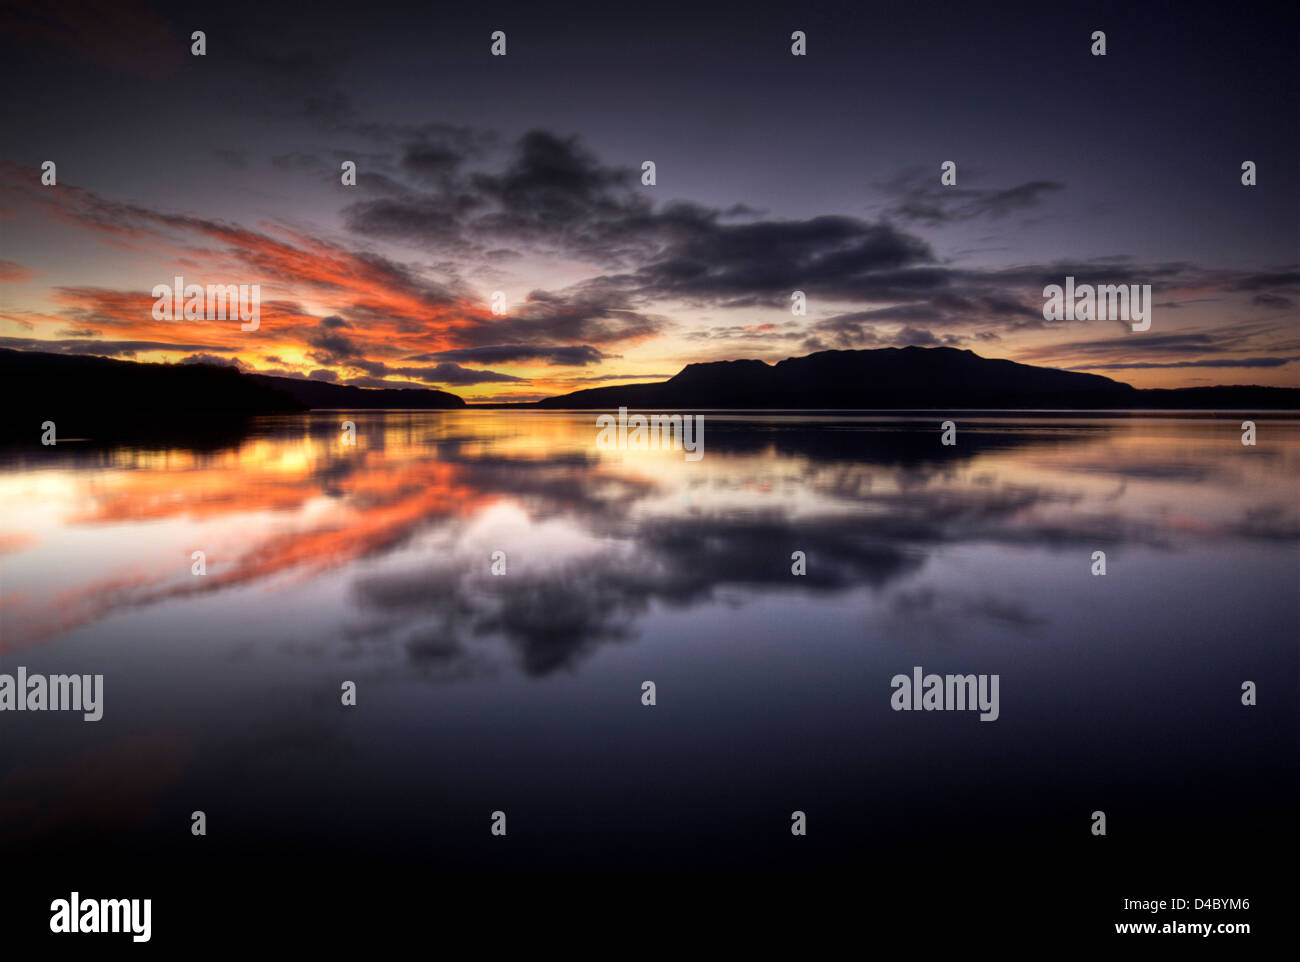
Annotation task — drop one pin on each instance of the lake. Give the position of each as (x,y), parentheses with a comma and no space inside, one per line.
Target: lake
(522,692)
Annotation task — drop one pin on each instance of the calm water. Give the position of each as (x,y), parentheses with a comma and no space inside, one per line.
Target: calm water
(522,692)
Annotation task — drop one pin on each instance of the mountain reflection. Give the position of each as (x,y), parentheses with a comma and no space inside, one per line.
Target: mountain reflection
(594,540)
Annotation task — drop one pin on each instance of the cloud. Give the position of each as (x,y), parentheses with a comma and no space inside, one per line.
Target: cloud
(788,330)
(102,348)
(920,197)
(599,378)
(332,347)
(384,383)
(212,359)
(1266,279)
(451,373)
(363,283)
(11,272)
(595,311)
(435,163)
(477,207)
(1206,362)
(552,194)
(578,355)
(554,197)
(1192,342)
(1210,348)
(763,261)
(880,326)
(1273,300)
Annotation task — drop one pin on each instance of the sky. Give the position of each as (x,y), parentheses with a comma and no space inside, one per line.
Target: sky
(522,174)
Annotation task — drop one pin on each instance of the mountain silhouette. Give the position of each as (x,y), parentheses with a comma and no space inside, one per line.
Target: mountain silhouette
(103,398)
(915,378)
(112,400)
(322,394)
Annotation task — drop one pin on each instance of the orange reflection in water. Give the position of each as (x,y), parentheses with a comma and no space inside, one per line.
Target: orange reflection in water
(87,536)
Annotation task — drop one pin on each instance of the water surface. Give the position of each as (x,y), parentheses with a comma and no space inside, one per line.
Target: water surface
(522,692)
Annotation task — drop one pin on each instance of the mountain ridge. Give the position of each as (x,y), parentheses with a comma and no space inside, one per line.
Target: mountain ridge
(99,397)
(905,378)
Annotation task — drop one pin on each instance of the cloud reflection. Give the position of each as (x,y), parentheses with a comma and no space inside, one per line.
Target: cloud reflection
(410,516)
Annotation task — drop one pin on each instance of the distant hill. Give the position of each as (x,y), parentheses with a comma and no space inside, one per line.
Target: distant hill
(102,398)
(906,378)
(93,397)
(322,394)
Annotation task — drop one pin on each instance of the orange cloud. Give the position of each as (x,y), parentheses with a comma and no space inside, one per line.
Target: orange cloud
(12,272)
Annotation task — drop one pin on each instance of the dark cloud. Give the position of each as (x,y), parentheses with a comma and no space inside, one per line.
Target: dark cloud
(381,382)
(597,378)
(911,336)
(451,373)
(211,359)
(331,347)
(1267,279)
(596,312)
(921,198)
(578,355)
(552,195)
(851,337)
(435,163)
(555,189)
(431,221)
(1206,362)
(341,350)
(1189,343)
(102,348)
(764,261)
(787,331)
(875,328)
(1220,348)
(1280,301)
